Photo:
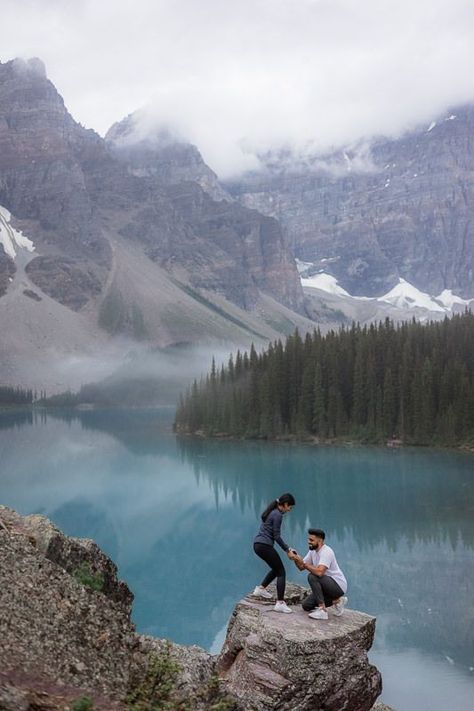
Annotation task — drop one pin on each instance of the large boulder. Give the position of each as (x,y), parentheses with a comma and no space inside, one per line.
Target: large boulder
(293,663)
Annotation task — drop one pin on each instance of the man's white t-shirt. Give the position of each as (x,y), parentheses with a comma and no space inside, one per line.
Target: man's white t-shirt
(325,556)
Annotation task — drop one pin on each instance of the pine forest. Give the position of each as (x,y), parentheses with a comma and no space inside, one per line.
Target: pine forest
(409,382)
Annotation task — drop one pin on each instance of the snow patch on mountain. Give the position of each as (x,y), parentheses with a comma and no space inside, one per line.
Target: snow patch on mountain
(448,299)
(403,296)
(406,296)
(10,238)
(325,282)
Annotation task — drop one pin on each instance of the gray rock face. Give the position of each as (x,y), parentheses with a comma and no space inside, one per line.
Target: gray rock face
(41,154)
(61,639)
(380,706)
(71,282)
(76,191)
(57,633)
(71,553)
(159,155)
(7,271)
(292,663)
(404,209)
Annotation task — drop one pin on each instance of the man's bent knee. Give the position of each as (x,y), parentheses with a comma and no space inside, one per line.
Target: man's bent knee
(308,605)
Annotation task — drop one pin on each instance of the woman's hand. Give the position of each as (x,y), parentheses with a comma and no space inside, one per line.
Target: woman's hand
(291,553)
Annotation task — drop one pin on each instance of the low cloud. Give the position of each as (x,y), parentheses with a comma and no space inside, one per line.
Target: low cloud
(172,369)
(240,79)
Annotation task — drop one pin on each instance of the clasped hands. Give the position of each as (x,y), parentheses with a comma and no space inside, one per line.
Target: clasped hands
(297,559)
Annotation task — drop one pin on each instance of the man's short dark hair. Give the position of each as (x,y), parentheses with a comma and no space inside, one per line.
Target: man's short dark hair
(317,532)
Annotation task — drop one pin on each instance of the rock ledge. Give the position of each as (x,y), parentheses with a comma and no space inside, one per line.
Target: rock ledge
(291,662)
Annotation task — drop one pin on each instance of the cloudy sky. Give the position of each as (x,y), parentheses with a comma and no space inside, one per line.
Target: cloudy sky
(242,77)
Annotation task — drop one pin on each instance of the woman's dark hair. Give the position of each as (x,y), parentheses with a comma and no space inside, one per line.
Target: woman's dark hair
(283,499)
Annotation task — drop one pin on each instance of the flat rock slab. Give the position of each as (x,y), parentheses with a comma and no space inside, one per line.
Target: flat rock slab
(291,662)
(301,628)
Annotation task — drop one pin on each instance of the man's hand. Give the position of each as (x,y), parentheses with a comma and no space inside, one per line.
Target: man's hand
(298,561)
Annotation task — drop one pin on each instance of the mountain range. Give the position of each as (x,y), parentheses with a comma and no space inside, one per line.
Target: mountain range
(133,239)
(380,211)
(121,250)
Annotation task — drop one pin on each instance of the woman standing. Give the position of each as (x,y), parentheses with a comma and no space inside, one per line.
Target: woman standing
(268,533)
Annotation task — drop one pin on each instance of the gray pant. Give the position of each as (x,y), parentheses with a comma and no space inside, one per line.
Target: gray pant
(324,589)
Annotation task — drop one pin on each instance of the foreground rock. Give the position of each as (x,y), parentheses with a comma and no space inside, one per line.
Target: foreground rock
(293,663)
(65,633)
(65,630)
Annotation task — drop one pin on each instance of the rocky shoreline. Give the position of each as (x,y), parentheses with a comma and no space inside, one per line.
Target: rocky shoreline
(67,642)
(313,441)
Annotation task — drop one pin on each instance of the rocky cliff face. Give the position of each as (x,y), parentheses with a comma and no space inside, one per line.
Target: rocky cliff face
(66,634)
(373,214)
(95,209)
(42,180)
(151,152)
(234,251)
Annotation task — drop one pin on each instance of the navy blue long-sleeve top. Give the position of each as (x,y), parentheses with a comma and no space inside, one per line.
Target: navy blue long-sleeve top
(269,531)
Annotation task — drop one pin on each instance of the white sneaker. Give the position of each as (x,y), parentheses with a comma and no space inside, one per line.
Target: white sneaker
(319,614)
(262,592)
(282,607)
(338,607)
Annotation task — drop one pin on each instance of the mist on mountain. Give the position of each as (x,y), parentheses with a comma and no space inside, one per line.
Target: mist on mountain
(241,79)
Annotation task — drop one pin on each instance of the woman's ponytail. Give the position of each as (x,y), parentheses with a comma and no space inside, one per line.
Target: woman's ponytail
(283,499)
(269,508)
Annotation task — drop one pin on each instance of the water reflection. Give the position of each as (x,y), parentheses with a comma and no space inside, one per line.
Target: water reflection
(400,521)
(375,494)
(178,517)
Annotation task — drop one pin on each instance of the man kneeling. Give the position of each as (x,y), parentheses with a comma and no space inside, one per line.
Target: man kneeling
(326,579)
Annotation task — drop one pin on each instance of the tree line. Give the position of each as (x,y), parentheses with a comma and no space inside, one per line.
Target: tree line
(410,381)
(15,395)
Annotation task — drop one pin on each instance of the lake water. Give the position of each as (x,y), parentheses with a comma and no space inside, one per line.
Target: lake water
(178,517)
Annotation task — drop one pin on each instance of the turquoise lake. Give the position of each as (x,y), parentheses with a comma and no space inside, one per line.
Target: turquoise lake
(178,517)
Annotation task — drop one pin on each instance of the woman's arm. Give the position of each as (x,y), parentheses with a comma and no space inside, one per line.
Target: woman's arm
(276,523)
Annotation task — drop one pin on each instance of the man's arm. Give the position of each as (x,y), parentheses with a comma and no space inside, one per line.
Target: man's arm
(318,570)
(298,561)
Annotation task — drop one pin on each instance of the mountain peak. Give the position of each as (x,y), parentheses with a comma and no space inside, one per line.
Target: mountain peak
(151,149)
(33,66)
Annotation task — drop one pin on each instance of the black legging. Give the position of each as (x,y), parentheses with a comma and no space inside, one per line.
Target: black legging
(271,557)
